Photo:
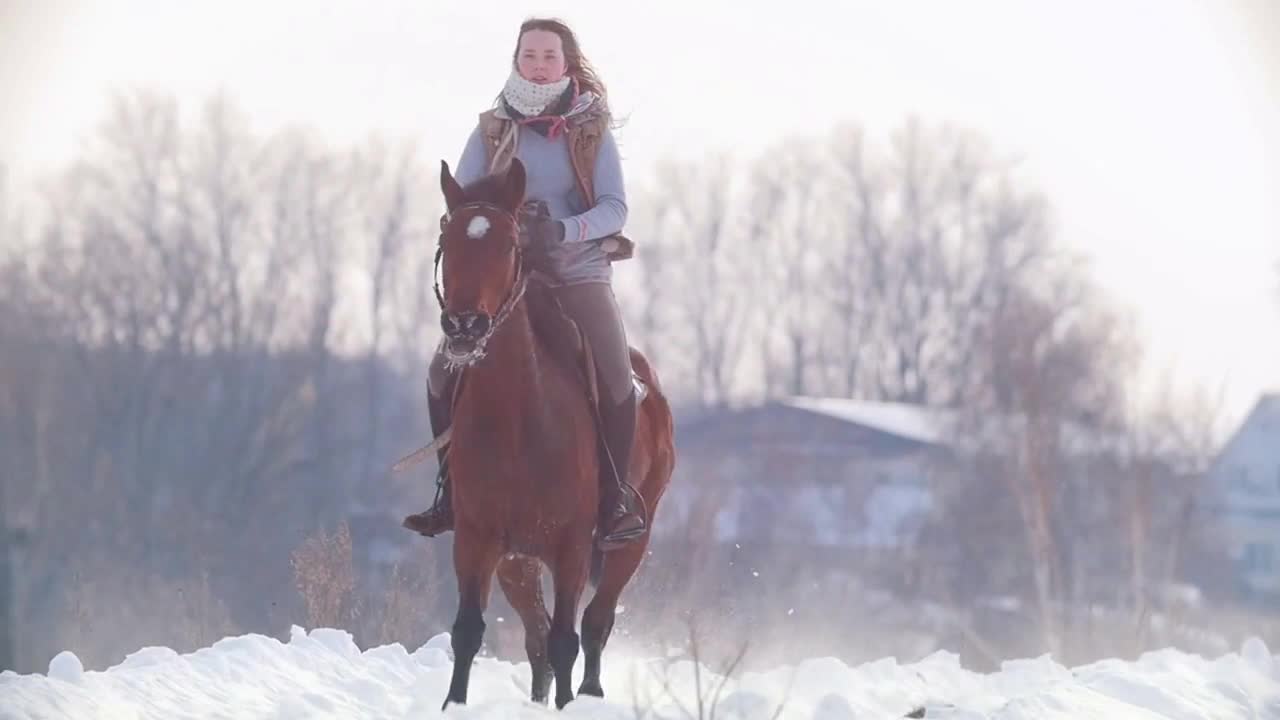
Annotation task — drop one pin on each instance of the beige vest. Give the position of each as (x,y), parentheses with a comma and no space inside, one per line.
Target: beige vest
(584,142)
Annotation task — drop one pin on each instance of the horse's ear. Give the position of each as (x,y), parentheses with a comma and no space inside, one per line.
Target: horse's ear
(453,195)
(513,188)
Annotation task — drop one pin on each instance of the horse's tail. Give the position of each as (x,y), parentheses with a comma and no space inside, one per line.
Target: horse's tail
(597,566)
(662,422)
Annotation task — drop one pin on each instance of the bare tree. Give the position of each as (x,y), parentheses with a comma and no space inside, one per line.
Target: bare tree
(386,218)
(696,269)
(787,235)
(852,279)
(648,310)
(1054,398)
(396,211)
(934,240)
(176,347)
(1179,433)
(856,270)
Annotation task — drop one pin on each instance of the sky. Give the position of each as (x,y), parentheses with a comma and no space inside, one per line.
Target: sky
(1152,126)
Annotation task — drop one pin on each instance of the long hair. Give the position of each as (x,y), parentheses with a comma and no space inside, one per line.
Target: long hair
(576,64)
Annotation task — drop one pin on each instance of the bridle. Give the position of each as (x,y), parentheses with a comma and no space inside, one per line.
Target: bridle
(456,360)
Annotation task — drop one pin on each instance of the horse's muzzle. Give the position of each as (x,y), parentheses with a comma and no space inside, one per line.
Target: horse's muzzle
(465,326)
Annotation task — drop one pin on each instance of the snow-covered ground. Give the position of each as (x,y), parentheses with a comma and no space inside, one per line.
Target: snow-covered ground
(322,674)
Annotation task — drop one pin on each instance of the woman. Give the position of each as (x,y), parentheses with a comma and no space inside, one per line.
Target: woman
(553,114)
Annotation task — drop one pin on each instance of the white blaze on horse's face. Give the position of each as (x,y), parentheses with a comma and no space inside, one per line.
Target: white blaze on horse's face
(478,226)
(480,290)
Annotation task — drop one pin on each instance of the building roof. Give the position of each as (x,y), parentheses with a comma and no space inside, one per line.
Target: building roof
(939,428)
(912,422)
(816,423)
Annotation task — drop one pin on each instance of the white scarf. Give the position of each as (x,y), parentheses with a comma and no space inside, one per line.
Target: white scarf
(530,98)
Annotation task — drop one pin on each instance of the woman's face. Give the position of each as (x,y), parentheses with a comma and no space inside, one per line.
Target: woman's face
(541,57)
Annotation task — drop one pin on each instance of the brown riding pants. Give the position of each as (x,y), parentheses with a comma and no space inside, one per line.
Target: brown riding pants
(595,309)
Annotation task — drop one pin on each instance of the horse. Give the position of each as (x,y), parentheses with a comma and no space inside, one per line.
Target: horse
(523,448)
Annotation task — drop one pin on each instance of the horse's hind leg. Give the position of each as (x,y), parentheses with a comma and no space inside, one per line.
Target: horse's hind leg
(474,561)
(569,574)
(521,581)
(597,621)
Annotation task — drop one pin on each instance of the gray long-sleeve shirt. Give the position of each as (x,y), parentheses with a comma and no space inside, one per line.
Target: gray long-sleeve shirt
(550,178)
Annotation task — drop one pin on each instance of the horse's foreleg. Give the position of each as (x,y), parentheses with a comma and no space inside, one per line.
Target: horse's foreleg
(521,581)
(569,576)
(597,622)
(473,560)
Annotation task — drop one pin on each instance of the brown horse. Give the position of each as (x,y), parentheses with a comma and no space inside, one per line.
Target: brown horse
(523,448)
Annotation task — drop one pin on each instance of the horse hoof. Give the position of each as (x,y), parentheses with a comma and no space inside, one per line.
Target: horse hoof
(591,688)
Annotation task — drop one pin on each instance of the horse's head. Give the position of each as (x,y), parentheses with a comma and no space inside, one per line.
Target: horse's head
(480,250)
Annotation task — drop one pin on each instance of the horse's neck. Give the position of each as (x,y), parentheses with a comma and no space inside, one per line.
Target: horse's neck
(508,377)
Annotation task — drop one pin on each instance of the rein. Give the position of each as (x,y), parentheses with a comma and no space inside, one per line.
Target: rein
(453,362)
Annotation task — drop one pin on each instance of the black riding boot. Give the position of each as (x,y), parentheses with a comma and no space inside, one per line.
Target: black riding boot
(439,517)
(623,522)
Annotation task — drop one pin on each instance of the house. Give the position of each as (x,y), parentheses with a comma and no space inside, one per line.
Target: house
(815,473)
(1242,499)
(834,481)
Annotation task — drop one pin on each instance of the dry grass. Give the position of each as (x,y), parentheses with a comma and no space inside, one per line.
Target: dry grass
(412,607)
(712,681)
(109,614)
(324,574)
(403,604)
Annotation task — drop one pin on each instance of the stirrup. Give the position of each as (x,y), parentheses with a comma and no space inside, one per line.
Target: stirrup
(435,520)
(626,535)
(619,540)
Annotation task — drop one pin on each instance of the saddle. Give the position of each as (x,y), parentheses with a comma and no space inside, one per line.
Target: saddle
(553,326)
(564,340)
